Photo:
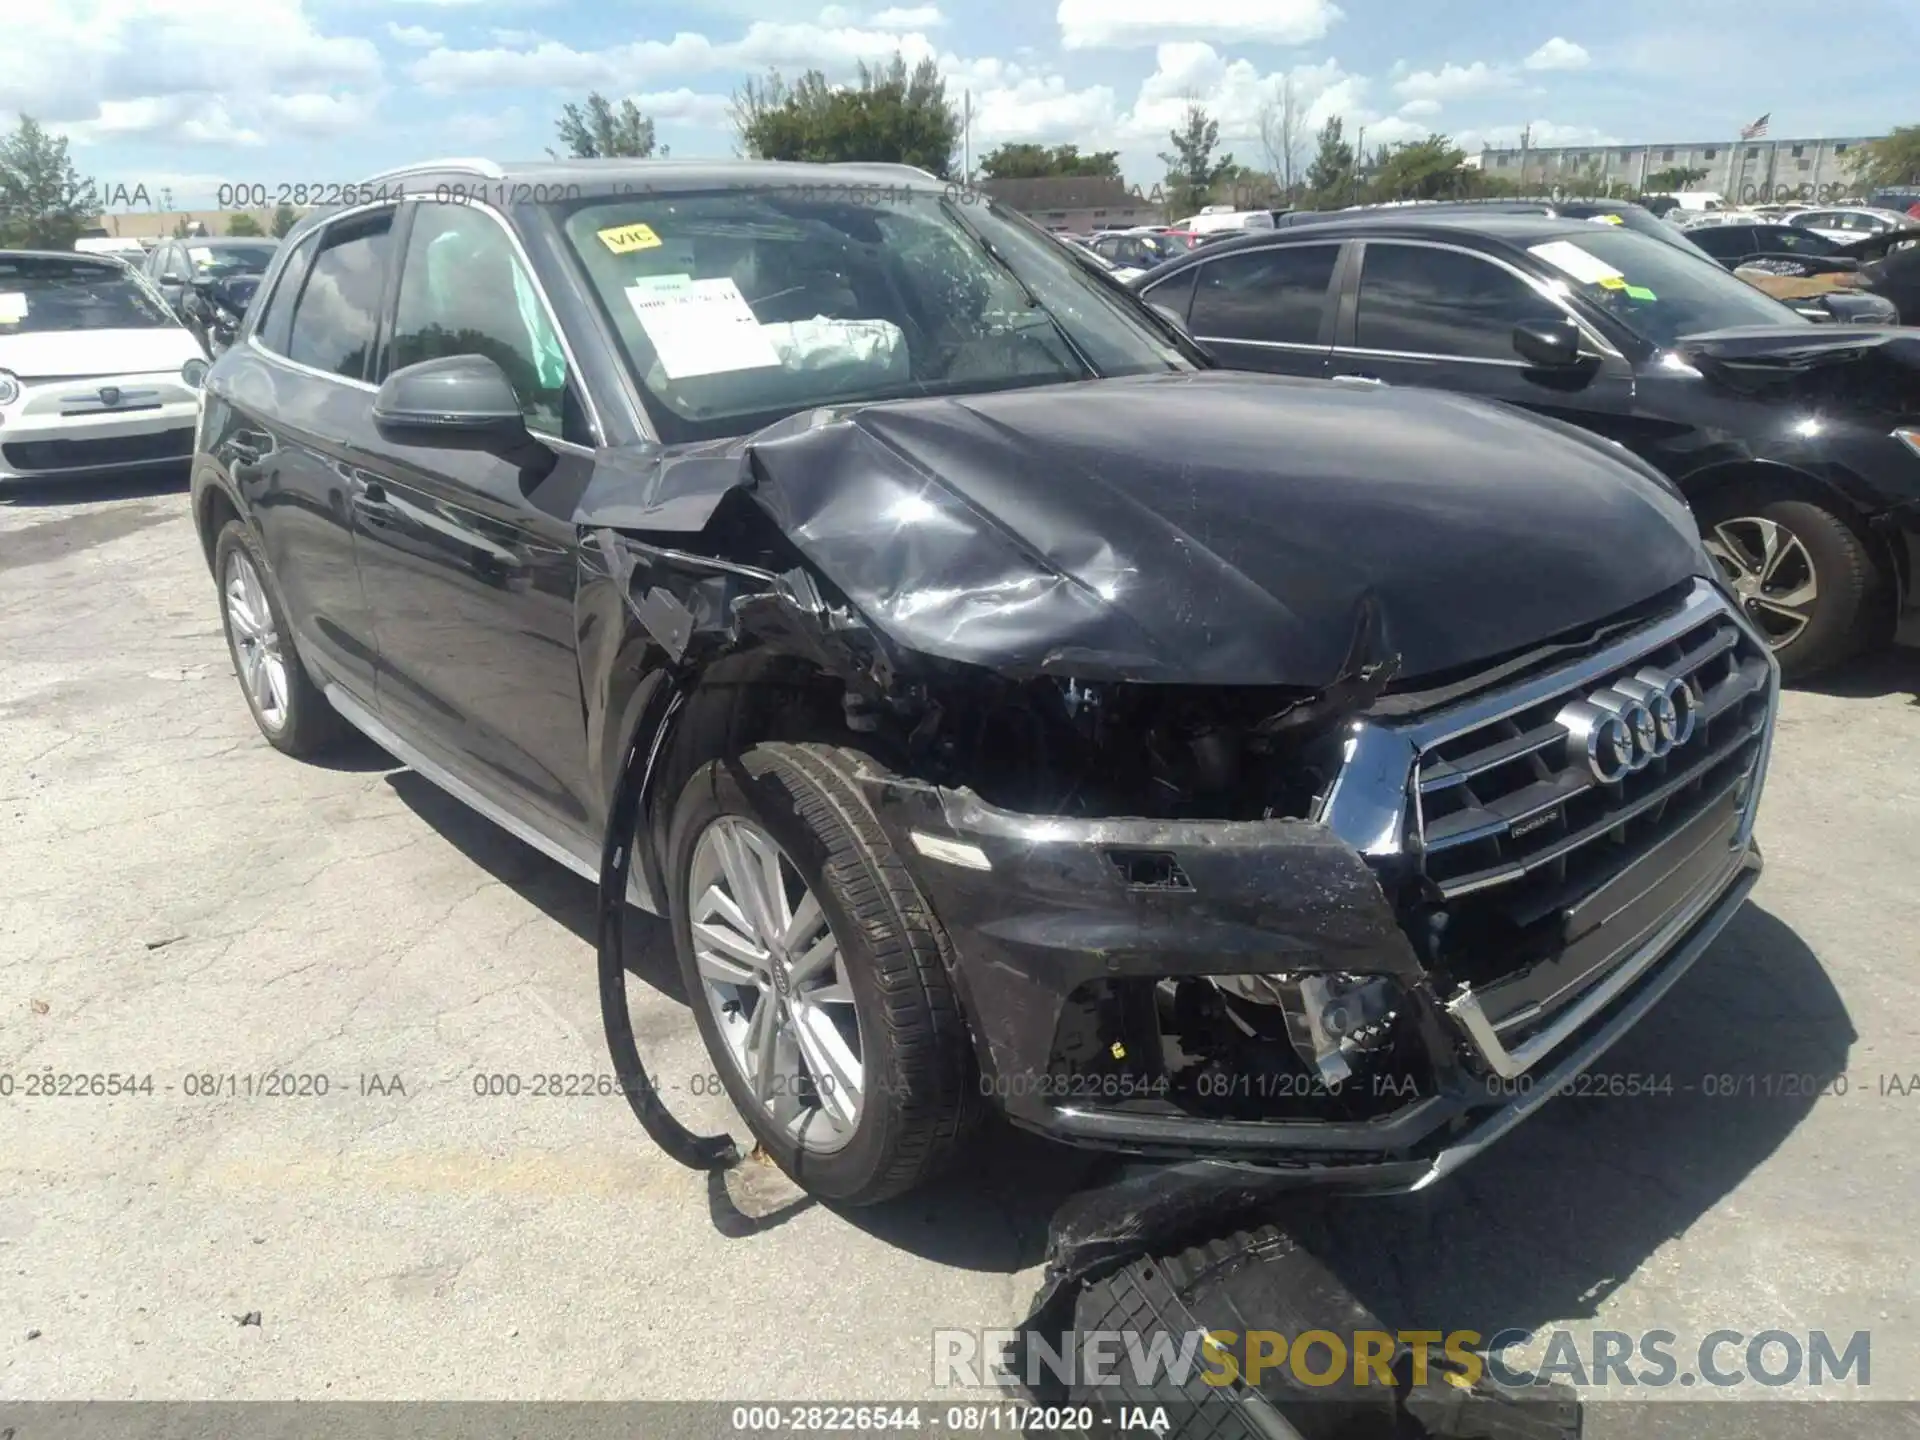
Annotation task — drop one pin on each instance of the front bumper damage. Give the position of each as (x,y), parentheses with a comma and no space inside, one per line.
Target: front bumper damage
(1040,908)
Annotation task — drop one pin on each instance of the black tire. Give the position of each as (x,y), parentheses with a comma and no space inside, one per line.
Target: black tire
(1850,582)
(1266,1280)
(918,1100)
(310,726)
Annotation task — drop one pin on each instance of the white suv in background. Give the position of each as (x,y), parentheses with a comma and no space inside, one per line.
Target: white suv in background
(97,374)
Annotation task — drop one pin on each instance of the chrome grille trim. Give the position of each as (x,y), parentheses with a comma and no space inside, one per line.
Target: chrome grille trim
(1396,771)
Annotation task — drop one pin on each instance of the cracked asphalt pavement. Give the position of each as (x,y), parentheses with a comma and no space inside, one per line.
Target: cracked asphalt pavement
(181,901)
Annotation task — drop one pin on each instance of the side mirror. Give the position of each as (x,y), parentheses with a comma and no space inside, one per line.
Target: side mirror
(1548,344)
(458,402)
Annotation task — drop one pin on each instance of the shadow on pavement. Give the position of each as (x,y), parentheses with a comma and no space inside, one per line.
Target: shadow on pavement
(1892,671)
(93,490)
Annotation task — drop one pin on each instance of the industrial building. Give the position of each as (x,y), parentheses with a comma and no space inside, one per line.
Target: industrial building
(1745,171)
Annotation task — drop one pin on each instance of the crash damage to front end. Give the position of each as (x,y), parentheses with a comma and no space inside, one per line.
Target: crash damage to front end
(1298,814)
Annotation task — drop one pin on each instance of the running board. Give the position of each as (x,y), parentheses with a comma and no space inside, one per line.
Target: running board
(376,730)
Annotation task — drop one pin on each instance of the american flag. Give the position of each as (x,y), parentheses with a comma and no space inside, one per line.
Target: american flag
(1757,128)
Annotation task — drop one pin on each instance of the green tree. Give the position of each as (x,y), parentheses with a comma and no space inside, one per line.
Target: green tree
(601,131)
(44,204)
(1428,169)
(1330,173)
(285,217)
(1033,162)
(1677,177)
(1888,162)
(1192,172)
(244,224)
(892,116)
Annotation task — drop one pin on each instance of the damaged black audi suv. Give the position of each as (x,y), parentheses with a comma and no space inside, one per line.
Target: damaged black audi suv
(1006,707)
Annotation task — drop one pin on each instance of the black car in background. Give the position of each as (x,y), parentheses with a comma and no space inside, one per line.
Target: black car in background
(1004,705)
(1793,442)
(210,281)
(1624,213)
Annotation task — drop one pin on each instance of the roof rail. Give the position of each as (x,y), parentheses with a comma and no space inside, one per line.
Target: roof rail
(484,167)
(885,165)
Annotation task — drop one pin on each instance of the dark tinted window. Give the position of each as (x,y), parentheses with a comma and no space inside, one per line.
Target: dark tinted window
(463,291)
(1724,242)
(270,312)
(1443,302)
(1275,295)
(1793,241)
(1173,297)
(337,315)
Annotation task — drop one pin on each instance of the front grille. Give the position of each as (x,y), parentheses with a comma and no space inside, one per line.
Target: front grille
(174,444)
(1537,874)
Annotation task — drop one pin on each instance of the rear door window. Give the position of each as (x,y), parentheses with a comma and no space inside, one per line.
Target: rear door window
(1271,296)
(336,320)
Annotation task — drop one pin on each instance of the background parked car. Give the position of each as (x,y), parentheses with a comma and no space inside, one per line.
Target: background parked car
(1786,437)
(210,282)
(96,372)
(1848,222)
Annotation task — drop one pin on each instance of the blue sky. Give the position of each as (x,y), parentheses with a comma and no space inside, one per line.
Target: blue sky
(188,95)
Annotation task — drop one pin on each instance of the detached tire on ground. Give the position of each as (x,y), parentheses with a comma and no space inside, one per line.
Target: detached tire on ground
(817,973)
(1246,1282)
(1801,572)
(289,708)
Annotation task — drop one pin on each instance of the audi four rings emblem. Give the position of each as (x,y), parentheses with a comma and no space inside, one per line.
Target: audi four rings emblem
(1630,724)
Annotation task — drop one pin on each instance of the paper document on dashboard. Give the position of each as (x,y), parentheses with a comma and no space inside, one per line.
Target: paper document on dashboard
(700,327)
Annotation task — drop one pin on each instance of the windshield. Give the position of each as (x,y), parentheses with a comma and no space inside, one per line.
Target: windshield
(1658,291)
(40,293)
(738,307)
(214,261)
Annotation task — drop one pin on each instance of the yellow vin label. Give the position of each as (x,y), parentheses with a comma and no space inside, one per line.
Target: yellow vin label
(624,238)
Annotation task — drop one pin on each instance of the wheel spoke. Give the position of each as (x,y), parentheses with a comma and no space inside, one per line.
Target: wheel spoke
(1734,550)
(816,961)
(1797,600)
(806,923)
(764,1040)
(731,934)
(724,957)
(1771,550)
(276,672)
(836,1073)
(717,902)
(741,880)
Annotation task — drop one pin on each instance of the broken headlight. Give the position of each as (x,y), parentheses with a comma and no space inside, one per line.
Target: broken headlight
(1334,1021)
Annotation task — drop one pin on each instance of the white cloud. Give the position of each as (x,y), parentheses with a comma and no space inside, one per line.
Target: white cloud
(414,35)
(911,17)
(837,15)
(1419,109)
(516,39)
(685,107)
(1545,133)
(1558,54)
(1086,24)
(1042,110)
(553,65)
(183,71)
(1453,82)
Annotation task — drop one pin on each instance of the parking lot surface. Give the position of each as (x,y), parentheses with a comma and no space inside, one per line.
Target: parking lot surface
(183,903)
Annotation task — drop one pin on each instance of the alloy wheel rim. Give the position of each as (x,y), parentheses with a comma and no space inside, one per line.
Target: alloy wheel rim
(256,642)
(1770,572)
(776,981)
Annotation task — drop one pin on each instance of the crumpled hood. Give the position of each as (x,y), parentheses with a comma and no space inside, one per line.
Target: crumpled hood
(68,354)
(1216,528)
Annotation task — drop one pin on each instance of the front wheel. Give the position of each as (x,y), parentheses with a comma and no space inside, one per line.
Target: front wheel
(1801,573)
(816,972)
